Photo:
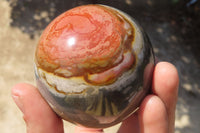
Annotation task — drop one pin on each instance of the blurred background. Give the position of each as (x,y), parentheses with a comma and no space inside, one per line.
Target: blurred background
(173,27)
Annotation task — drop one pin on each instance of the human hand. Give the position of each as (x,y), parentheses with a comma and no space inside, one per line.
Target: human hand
(156,112)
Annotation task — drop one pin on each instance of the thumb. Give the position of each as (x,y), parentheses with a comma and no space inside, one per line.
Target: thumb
(87,130)
(38,116)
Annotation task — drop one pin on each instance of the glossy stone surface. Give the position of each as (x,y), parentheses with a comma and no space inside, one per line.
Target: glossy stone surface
(94,65)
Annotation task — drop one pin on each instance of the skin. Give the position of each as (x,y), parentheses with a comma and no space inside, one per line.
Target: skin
(156,113)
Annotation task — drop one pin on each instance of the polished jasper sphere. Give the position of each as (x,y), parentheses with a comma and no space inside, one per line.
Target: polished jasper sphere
(94,65)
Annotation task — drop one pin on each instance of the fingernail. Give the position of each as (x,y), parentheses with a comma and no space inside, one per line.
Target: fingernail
(16,97)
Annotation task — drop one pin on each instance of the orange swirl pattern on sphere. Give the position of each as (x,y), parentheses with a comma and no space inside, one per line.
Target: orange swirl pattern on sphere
(89,41)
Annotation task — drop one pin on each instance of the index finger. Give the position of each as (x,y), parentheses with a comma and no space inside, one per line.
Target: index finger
(165,85)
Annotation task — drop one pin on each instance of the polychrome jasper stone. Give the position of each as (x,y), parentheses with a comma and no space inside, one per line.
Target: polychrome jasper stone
(94,65)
